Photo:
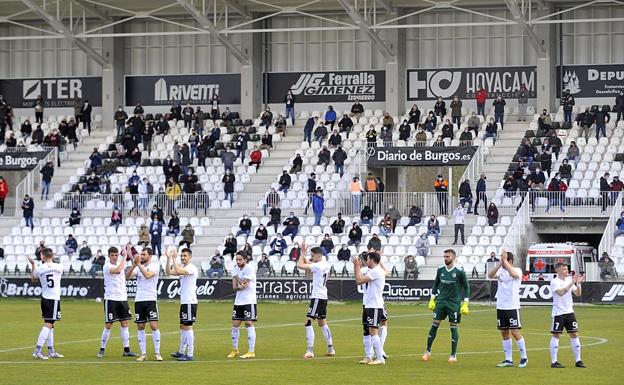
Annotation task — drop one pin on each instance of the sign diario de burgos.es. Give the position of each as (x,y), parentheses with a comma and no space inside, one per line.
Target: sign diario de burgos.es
(419,156)
(330,87)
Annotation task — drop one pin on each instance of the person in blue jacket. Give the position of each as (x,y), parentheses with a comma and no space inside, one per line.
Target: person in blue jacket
(307,129)
(330,117)
(156,233)
(318,206)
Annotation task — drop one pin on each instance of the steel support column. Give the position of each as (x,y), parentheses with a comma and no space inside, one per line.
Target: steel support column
(355,15)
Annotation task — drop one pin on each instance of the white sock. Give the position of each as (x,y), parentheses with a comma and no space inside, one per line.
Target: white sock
(376,342)
(368,349)
(156,340)
(142,343)
(105,336)
(522,348)
(43,337)
(182,341)
(235,336)
(309,330)
(251,338)
(125,336)
(327,335)
(190,342)
(507,345)
(554,347)
(51,341)
(383,334)
(576,348)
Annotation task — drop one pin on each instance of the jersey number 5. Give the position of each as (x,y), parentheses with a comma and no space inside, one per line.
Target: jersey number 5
(50,281)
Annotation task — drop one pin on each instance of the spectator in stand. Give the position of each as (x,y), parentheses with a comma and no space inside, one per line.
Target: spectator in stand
(256,158)
(330,117)
(465,194)
(311,190)
(544,122)
(266,118)
(344,254)
(116,218)
(144,236)
(619,107)
(26,129)
(415,216)
(4,192)
(320,133)
(345,124)
(39,104)
(605,187)
(297,164)
(188,236)
(565,170)
(85,115)
(465,138)
(525,152)
(492,214)
(308,128)
(318,206)
(187,116)
(339,158)
(371,185)
(523,100)
(289,101)
(431,122)
(96,160)
(440,185)
(327,245)
(481,97)
(264,266)
(374,243)
(607,266)
(386,136)
(261,236)
(619,225)
(74,217)
(414,115)
(574,153)
(546,152)
(244,226)
(422,245)
(447,130)
(405,130)
(338,225)
(366,216)
(176,112)
(228,158)
(439,142)
(97,264)
(85,253)
(120,118)
(499,110)
(555,193)
(228,186)
(37,136)
(266,141)
(229,246)
(421,137)
(28,209)
(216,265)
(616,187)
(271,199)
(138,109)
(278,245)
(324,157)
(155,229)
(295,252)
(602,117)
(491,130)
(433,227)
(284,181)
(162,127)
(585,120)
(460,219)
(158,214)
(357,109)
(241,143)
(555,143)
(292,225)
(371,137)
(47,172)
(411,267)
(356,195)
(567,101)
(355,235)
(440,108)
(334,139)
(456,110)
(385,225)
(387,121)
(11,142)
(199,121)
(71,245)
(510,186)
(395,216)
(275,216)
(481,193)
(214,106)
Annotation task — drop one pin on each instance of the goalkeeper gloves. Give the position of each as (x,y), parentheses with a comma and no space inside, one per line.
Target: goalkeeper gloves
(432,303)
(464,308)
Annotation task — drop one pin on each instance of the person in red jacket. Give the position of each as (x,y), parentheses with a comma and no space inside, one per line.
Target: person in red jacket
(481,96)
(256,157)
(4,192)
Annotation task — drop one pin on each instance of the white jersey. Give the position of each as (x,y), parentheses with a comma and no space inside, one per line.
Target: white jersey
(188,285)
(114,284)
(374,288)
(320,272)
(248,295)
(562,304)
(146,288)
(49,275)
(362,288)
(508,293)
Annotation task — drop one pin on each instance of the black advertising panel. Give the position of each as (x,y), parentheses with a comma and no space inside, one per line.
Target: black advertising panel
(428,84)
(56,92)
(182,89)
(326,87)
(419,156)
(591,81)
(21,160)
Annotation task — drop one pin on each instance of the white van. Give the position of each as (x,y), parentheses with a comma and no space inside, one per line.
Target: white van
(542,257)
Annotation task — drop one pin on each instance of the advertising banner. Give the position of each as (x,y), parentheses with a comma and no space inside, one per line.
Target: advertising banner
(326,87)
(21,160)
(419,156)
(56,92)
(428,84)
(591,81)
(182,89)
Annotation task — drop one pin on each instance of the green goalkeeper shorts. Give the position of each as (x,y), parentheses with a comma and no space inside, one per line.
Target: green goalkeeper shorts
(443,310)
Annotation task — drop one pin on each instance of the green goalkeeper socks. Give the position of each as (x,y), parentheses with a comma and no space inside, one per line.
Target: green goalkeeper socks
(432,335)
(454,339)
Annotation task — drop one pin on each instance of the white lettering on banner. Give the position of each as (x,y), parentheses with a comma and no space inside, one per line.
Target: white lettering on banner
(21,162)
(533,291)
(360,86)
(196,93)
(499,82)
(174,289)
(8,289)
(53,89)
(593,75)
(615,291)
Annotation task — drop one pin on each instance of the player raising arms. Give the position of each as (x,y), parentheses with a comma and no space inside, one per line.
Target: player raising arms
(145,307)
(508,307)
(446,301)
(115,301)
(244,284)
(373,282)
(562,287)
(49,276)
(318,300)
(188,300)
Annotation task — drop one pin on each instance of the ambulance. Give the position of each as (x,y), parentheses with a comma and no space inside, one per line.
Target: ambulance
(542,257)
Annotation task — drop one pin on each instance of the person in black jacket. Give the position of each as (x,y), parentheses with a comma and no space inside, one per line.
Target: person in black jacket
(339,158)
(275,215)
(228,185)
(619,107)
(28,209)
(311,190)
(85,112)
(244,226)
(230,245)
(602,118)
(405,130)
(345,124)
(344,254)
(355,235)
(327,245)
(499,110)
(374,243)
(176,112)
(37,136)
(465,194)
(414,115)
(289,101)
(338,225)
(605,187)
(357,109)
(366,216)
(440,107)
(292,226)
(173,227)
(567,101)
(74,217)
(47,172)
(261,236)
(324,157)
(120,120)
(284,181)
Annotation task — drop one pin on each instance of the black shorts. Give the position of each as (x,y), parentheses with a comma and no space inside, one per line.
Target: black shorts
(188,313)
(116,311)
(317,308)
(567,321)
(372,317)
(145,311)
(508,319)
(245,313)
(50,310)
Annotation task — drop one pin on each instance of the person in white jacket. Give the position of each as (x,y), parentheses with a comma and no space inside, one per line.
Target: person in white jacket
(460,218)
(143,195)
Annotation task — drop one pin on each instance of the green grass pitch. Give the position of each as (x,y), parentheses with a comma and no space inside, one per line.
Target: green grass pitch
(281,344)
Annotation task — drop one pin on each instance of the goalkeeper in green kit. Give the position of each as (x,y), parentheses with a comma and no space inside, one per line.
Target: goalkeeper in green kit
(446,300)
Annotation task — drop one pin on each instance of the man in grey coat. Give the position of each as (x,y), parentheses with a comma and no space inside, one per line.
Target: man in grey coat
(228,158)
(523,100)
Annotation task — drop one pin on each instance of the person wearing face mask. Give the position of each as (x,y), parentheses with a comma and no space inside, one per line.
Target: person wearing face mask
(567,101)
(474,123)
(327,245)
(85,112)
(433,227)
(447,130)
(85,252)
(459,214)
(441,188)
(465,139)
(371,137)
(405,130)
(422,245)
(289,101)
(585,120)
(261,236)
(440,108)
(555,195)
(228,158)
(244,226)
(335,139)
(573,153)
(187,116)
(278,245)
(338,225)
(230,245)
(228,186)
(546,152)
(120,120)
(345,124)
(344,254)
(619,107)
(74,217)
(456,110)
(292,226)
(523,100)
(481,97)
(605,188)
(544,122)
(421,137)
(499,110)
(266,118)
(602,118)
(491,130)
(619,226)
(565,170)
(430,122)
(616,187)
(481,193)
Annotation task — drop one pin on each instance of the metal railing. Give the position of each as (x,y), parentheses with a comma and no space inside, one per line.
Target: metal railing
(608,238)
(32,181)
(475,168)
(564,204)
(516,234)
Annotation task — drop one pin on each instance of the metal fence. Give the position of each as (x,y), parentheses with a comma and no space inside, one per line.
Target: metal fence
(517,233)
(564,204)
(608,238)
(32,181)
